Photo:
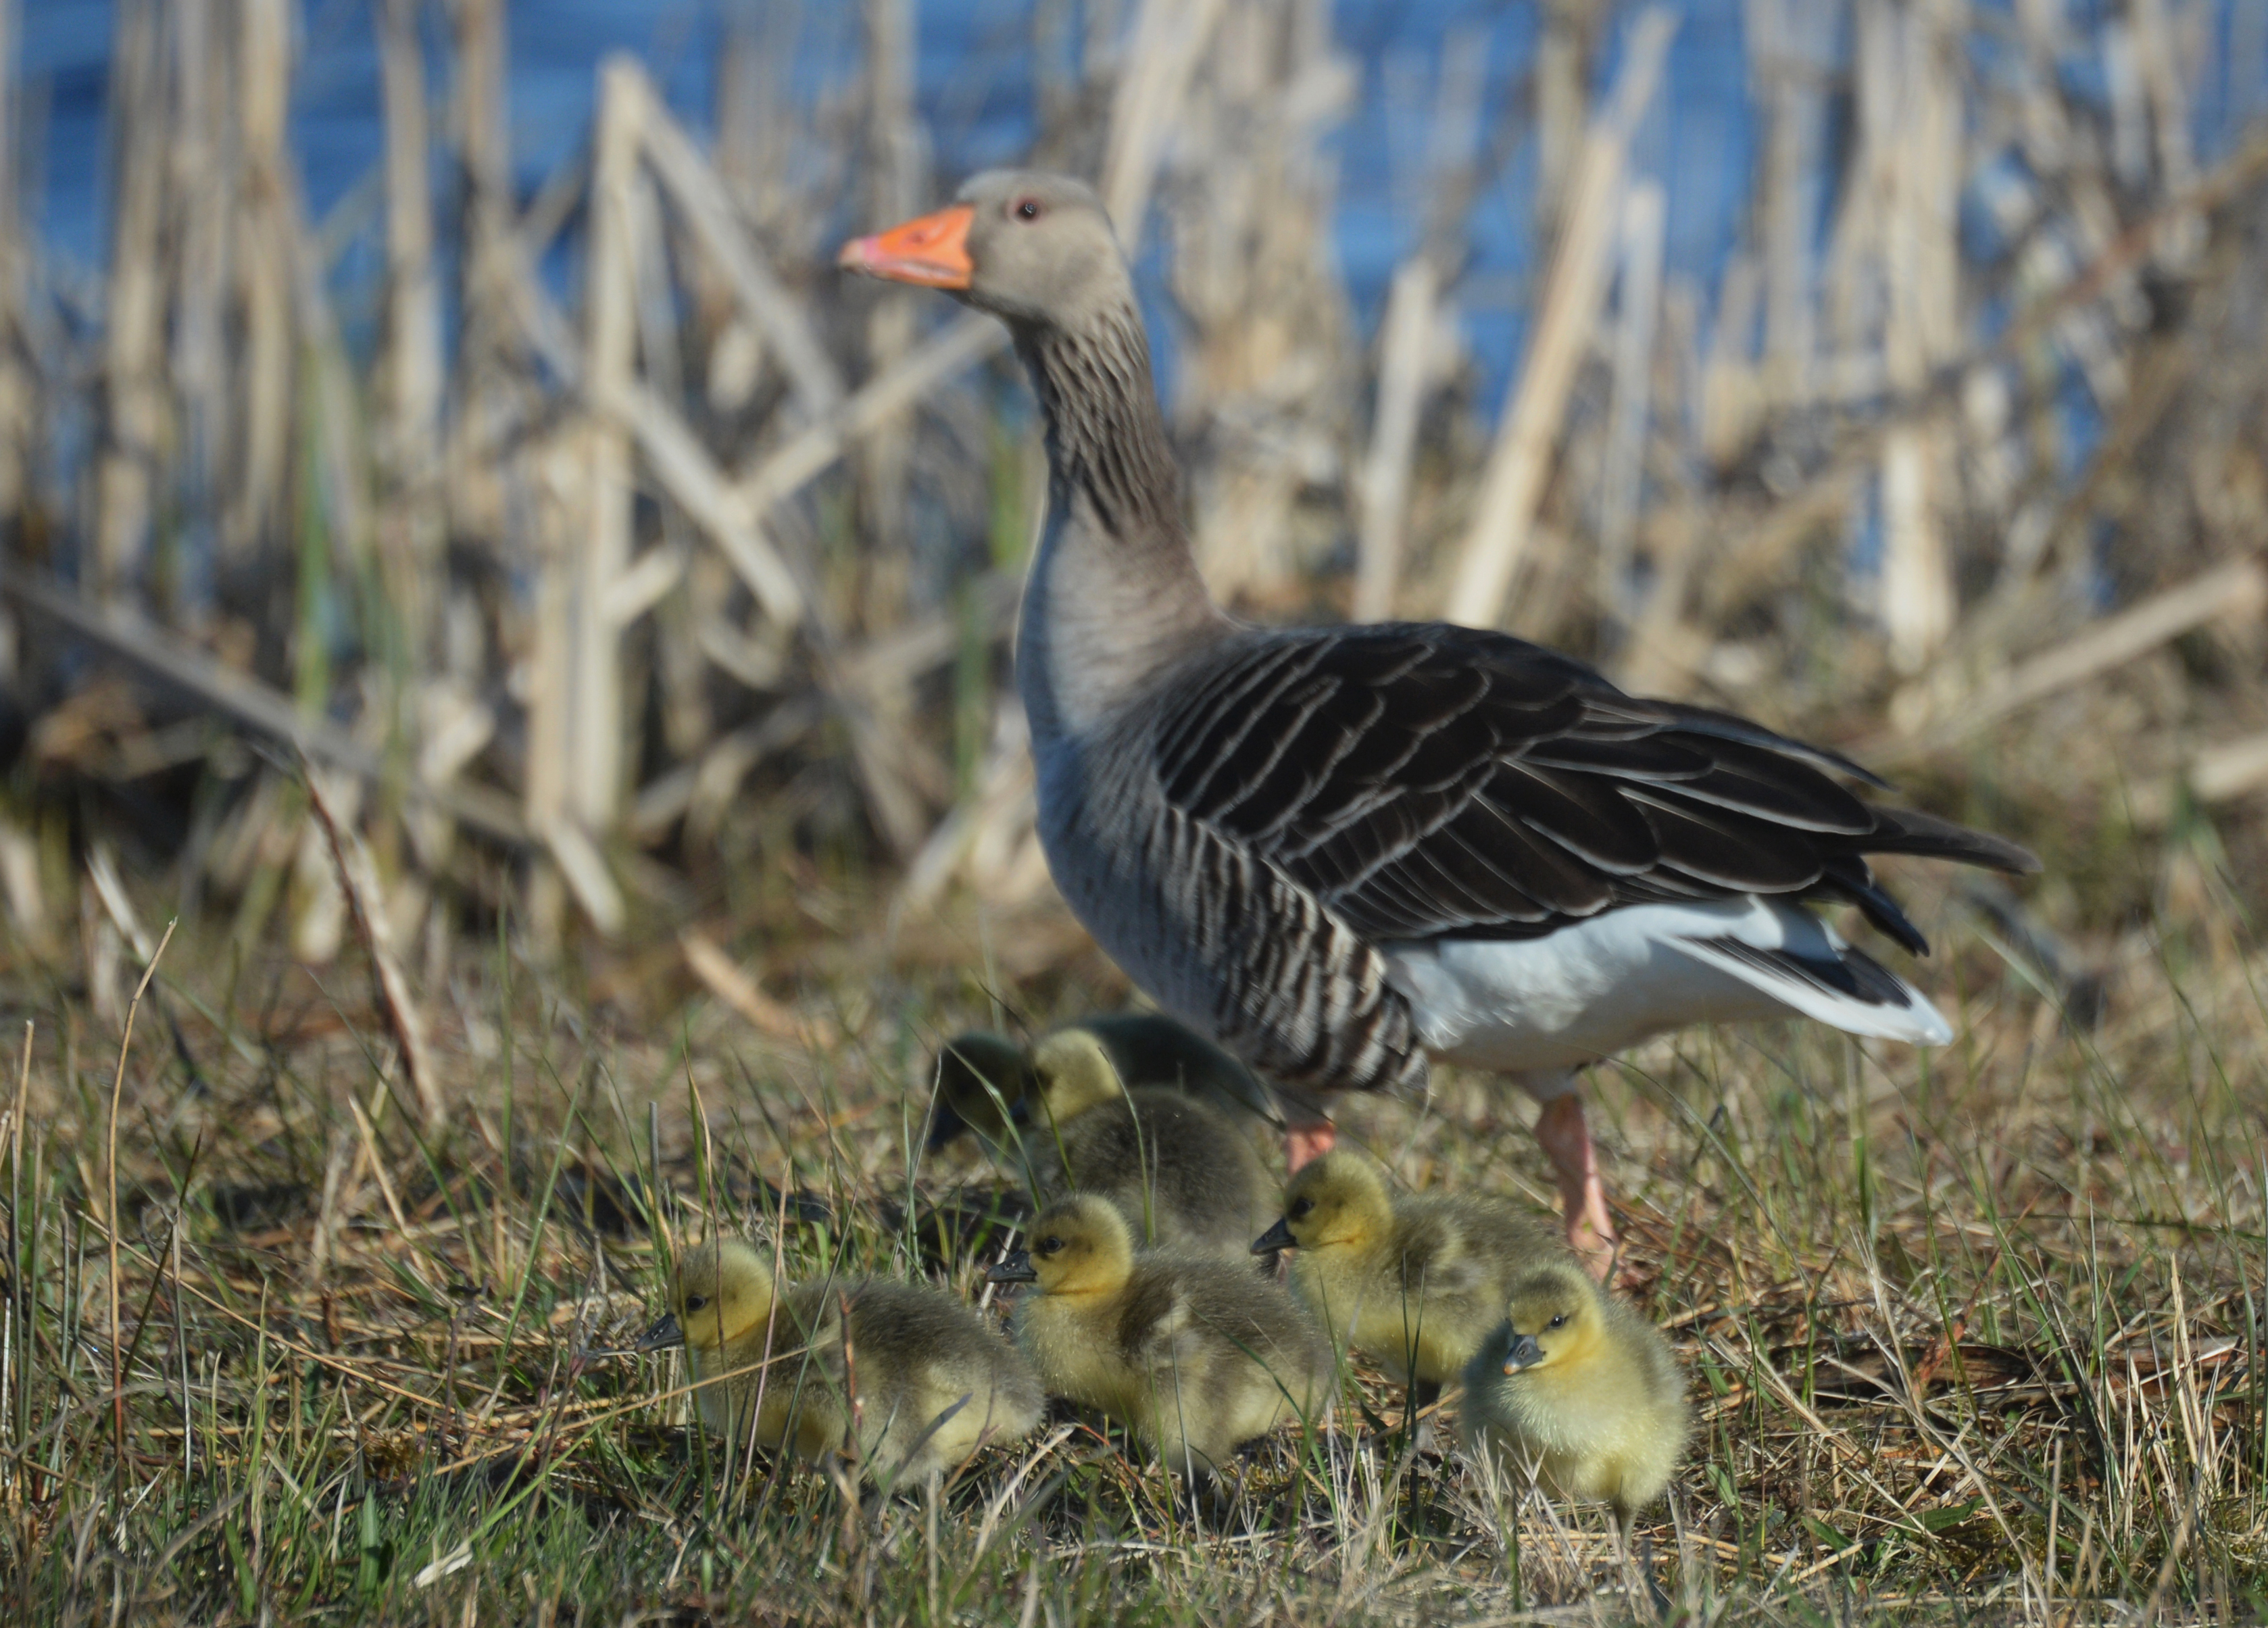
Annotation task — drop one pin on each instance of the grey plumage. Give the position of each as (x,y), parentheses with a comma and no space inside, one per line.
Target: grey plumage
(1296,839)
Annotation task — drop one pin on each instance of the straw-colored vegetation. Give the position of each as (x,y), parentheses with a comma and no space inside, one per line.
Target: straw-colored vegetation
(565,717)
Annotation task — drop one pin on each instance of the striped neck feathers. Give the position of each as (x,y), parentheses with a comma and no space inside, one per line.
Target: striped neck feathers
(1105,438)
(1114,597)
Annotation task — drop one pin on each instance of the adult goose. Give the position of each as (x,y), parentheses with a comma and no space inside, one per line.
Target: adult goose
(1340,850)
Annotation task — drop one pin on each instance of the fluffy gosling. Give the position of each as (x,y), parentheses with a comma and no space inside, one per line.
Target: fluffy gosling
(1196,1356)
(932,1382)
(1071,1117)
(1416,1280)
(1578,1389)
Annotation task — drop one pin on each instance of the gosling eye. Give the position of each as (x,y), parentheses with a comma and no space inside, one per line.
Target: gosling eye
(694,1302)
(1559,1322)
(1050,1246)
(1029,208)
(1303,1209)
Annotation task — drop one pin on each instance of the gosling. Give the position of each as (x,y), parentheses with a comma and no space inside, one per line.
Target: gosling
(1194,1356)
(1416,1281)
(931,1383)
(1182,1174)
(1580,1391)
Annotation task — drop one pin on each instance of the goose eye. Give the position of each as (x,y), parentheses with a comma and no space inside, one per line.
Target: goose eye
(1560,1322)
(694,1302)
(1303,1209)
(1029,208)
(1050,1246)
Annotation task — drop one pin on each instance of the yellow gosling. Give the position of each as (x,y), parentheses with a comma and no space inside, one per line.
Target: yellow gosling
(930,1381)
(1416,1281)
(1180,1171)
(1195,1355)
(1580,1391)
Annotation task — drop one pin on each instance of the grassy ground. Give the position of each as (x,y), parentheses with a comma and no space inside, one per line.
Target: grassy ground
(1973,1333)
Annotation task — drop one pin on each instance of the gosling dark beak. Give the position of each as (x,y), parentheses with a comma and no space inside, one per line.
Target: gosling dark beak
(1277,1237)
(1525,1353)
(664,1334)
(1014,1267)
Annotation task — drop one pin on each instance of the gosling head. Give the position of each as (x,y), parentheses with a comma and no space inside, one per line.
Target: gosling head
(1338,1199)
(981,1080)
(1080,1246)
(721,1291)
(1074,1073)
(1032,247)
(1553,1317)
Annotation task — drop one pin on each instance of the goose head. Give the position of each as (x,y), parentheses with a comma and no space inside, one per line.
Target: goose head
(720,1292)
(1075,1072)
(981,1080)
(1552,1319)
(1032,247)
(1081,1246)
(1337,1201)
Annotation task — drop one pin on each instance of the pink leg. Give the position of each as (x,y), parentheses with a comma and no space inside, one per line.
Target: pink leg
(1304,1143)
(1567,1139)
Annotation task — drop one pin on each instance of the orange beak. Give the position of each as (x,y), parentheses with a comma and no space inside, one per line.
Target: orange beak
(932,250)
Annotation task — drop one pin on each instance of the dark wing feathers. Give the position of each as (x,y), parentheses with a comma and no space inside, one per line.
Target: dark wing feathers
(1425,781)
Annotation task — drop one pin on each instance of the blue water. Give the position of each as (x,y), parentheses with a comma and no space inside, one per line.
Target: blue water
(975,87)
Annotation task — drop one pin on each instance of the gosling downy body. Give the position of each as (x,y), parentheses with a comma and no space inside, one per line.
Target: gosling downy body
(1183,1173)
(1578,1389)
(932,1383)
(1417,1281)
(1196,1356)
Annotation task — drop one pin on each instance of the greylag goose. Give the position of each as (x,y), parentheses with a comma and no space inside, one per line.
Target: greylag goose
(1339,851)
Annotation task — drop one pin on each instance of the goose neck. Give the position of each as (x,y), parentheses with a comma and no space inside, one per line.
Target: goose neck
(1114,596)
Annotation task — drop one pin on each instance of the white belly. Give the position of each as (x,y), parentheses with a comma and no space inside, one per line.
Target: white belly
(1592,988)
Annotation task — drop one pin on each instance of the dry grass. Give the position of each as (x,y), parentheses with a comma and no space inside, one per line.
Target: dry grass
(1973,1333)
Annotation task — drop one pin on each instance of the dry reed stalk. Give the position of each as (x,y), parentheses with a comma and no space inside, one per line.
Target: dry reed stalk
(594,768)
(409,534)
(16,379)
(1791,51)
(266,302)
(693,186)
(1411,329)
(1562,80)
(682,465)
(482,131)
(202,191)
(1915,52)
(1405,336)
(110,1215)
(897,186)
(365,901)
(1622,470)
(782,471)
(135,430)
(1169,41)
(1512,483)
